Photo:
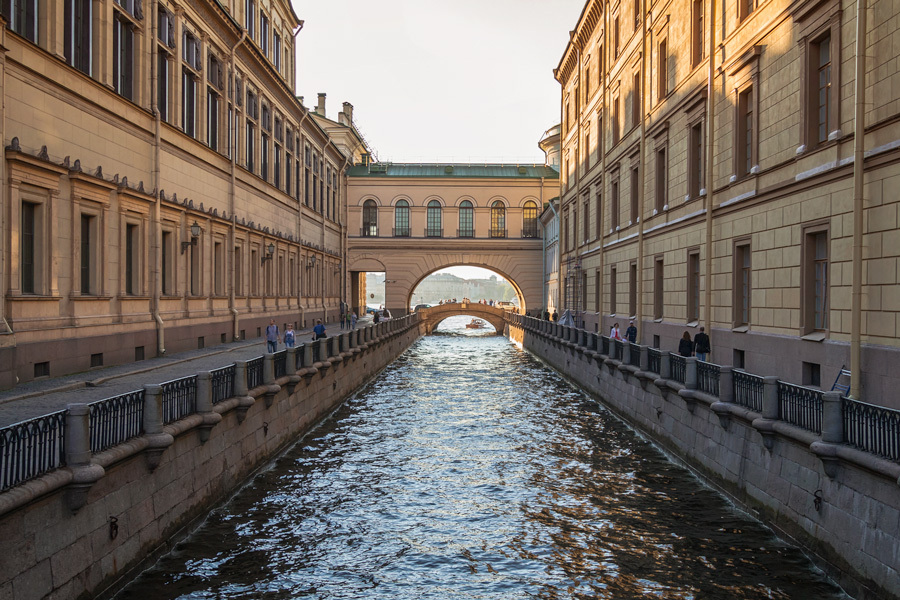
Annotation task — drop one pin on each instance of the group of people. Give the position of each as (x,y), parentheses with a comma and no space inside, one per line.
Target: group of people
(630,333)
(698,347)
(289,337)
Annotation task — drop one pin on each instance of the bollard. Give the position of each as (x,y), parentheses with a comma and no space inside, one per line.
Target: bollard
(690,373)
(157,440)
(78,456)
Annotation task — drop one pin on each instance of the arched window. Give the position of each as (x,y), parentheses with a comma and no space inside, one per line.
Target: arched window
(529,220)
(370,219)
(466,219)
(401,219)
(434,219)
(498,220)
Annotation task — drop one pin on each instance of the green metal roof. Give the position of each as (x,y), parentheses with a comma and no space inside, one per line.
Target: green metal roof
(453,170)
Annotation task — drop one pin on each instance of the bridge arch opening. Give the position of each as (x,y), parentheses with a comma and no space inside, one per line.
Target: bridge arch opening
(475,284)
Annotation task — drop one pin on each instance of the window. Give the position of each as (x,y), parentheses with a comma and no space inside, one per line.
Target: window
(123,55)
(616,37)
(587,149)
(168,272)
(466,219)
(276,51)
(658,291)
(22,16)
(162,85)
(636,100)
(745,8)
(307,168)
(614,206)
(530,220)
(636,4)
(195,269)
(370,219)
(264,152)
(612,290)
(30,248)
(165,55)
(587,83)
(219,268)
(697,32)
(276,175)
(401,219)
(661,180)
(216,81)
(815,279)
(132,256)
(254,273)
(615,121)
(695,160)
(598,281)
(586,222)
(693,296)
(598,213)
(741,284)
(250,18)
(632,289)
(498,219)
(434,219)
(744,154)
(264,33)
(662,70)
(88,259)
(78,34)
(821,105)
(190,75)
(635,194)
(251,137)
(238,271)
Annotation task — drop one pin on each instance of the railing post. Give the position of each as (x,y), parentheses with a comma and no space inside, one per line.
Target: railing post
(665,365)
(626,353)
(645,358)
(726,385)
(241,391)
(78,456)
(205,405)
(690,373)
(832,433)
(291,366)
(268,368)
(770,398)
(158,440)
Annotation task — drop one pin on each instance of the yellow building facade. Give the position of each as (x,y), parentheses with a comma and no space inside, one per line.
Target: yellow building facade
(162,187)
(721,193)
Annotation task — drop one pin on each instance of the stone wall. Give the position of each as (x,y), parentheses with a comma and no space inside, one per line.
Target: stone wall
(853,530)
(135,510)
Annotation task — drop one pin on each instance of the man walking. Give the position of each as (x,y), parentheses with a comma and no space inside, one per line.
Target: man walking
(272,337)
(701,345)
(631,333)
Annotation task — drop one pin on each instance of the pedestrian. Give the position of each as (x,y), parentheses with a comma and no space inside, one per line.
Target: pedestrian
(555,316)
(701,345)
(614,333)
(347,322)
(272,336)
(319,331)
(289,336)
(546,315)
(376,316)
(631,332)
(343,312)
(686,346)
(353,320)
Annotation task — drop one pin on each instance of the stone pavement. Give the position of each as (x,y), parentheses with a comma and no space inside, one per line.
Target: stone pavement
(43,396)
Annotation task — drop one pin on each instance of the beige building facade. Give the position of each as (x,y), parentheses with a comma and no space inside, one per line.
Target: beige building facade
(162,187)
(721,193)
(410,220)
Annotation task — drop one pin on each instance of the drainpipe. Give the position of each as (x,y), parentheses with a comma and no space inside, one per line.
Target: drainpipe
(859,139)
(232,228)
(344,244)
(643,173)
(710,131)
(579,176)
(4,255)
(301,158)
(155,177)
(601,150)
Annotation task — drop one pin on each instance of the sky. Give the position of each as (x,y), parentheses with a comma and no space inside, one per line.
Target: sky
(438,80)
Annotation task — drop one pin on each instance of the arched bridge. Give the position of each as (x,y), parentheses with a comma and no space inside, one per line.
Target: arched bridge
(432,317)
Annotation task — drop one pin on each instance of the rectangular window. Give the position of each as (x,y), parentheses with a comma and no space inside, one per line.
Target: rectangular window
(662,67)
(612,290)
(276,174)
(744,137)
(598,213)
(587,149)
(132,254)
(78,34)
(741,285)
(815,280)
(616,36)
(658,291)
(22,16)
(615,121)
(219,269)
(598,282)
(251,137)
(87,259)
(614,206)
(661,180)
(195,270)
(745,8)
(636,100)
(254,273)
(188,103)
(821,84)
(264,33)
(264,157)
(697,32)
(238,271)
(632,289)
(212,119)
(167,252)
(162,86)
(276,52)
(586,221)
(250,18)
(123,55)
(29,263)
(695,157)
(635,194)
(693,299)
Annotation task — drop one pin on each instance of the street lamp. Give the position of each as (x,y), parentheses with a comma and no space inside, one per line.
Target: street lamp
(195,234)
(270,251)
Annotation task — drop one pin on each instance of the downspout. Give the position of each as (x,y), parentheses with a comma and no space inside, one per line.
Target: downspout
(859,135)
(344,243)
(543,257)
(601,150)
(578,177)
(155,177)
(232,193)
(4,254)
(558,255)
(643,173)
(300,193)
(710,131)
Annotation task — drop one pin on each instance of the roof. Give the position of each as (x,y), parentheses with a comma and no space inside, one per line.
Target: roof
(453,170)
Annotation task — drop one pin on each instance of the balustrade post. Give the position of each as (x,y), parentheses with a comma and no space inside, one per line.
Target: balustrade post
(726,384)
(626,353)
(665,365)
(78,456)
(645,358)
(832,433)
(690,373)
(157,439)
(205,405)
(770,398)
(268,368)
(241,391)
(291,362)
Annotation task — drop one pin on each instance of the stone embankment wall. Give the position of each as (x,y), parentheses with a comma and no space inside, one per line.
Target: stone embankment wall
(131,501)
(848,518)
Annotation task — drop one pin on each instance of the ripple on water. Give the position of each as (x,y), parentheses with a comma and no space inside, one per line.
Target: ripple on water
(468,470)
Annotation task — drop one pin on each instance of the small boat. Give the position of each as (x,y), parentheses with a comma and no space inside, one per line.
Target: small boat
(475,324)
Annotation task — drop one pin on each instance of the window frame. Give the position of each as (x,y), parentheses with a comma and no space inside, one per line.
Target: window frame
(694,285)
(401,218)
(466,212)
(434,218)
(809,278)
(498,219)
(370,218)
(742,282)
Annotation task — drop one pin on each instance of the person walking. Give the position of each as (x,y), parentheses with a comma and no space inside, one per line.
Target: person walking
(289,337)
(614,333)
(701,345)
(353,320)
(319,331)
(272,337)
(631,332)
(686,346)
(343,312)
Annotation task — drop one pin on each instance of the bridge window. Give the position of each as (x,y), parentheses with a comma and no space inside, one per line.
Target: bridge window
(401,219)
(434,220)
(370,219)
(466,219)
(530,221)
(498,220)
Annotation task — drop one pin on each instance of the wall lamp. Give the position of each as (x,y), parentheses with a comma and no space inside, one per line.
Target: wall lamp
(195,233)
(311,262)
(270,251)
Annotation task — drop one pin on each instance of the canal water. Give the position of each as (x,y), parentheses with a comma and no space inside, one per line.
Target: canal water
(469,470)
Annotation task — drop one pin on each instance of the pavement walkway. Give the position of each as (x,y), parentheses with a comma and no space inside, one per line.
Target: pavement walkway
(46,395)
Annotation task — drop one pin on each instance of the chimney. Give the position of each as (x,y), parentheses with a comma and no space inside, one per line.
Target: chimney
(320,109)
(348,110)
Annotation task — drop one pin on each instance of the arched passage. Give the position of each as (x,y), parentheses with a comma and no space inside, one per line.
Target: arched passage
(490,290)
(430,318)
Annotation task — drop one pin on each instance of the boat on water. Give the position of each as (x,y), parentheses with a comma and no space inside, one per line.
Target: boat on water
(475,324)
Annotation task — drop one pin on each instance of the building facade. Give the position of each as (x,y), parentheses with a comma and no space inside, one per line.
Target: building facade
(162,186)
(708,178)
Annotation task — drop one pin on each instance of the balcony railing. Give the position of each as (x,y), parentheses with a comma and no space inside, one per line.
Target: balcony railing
(401,231)
(368,231)
(531,231)
(434,233)
(498,233)
(465,233)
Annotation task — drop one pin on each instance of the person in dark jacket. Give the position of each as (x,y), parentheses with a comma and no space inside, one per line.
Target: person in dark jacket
(686,346)
(631,332)
(701,345)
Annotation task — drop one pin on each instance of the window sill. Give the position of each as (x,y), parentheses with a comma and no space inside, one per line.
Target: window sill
(815,336)
(692,323)
(659,320)
(740,329)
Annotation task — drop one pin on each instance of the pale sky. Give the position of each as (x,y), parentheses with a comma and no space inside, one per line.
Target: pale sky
(438,81)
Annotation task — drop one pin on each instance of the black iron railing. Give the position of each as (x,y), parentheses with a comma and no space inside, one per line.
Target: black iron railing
(678,367)
(254,372)
(498,233)
(116,419)
(434,232)
(748,390)
(619,349)
(871,428)
(465,233)
(708,378)
(222,383)
(316,351)
(604,346)
(280,361)
(179,398)
(31,448)
(635,356)
(530,230)
(401,231)
(800,406)
(654,356)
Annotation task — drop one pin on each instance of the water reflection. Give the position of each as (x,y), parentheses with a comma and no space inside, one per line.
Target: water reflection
(468,470)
